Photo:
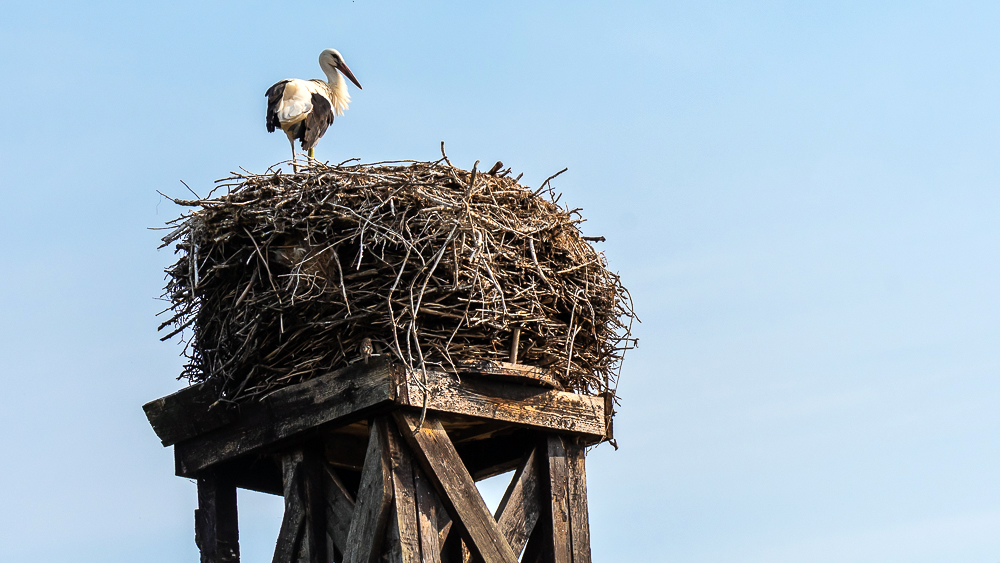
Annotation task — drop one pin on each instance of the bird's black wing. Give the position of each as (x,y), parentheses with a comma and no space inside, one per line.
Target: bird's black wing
(274,94)
(317,121)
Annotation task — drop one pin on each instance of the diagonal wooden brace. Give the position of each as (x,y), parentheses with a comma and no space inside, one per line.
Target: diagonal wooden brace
(437,455)
(371,511)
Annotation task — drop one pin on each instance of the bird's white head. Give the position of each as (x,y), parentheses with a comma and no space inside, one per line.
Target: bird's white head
(331,61)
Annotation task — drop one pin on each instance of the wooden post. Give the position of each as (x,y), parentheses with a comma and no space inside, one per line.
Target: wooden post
(371,511)
(216,529)
(562,551)
(427,518)
(293,523)
(339,513)
(458,491)
(579,518)
(403,525)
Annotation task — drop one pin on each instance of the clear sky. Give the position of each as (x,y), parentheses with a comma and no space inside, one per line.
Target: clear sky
(802,197)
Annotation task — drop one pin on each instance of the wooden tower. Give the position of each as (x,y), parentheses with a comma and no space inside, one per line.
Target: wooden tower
(379,463)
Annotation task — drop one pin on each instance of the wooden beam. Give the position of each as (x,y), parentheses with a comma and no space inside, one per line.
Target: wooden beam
(520,507)
(458,492)
(405,528)
(313,476)
(371,511)
(562,551)
(579,518)
(427,520)
(293,524)
(216,529)
(511,371)
(191,411)
(339,510)
(344,395)
(523,405)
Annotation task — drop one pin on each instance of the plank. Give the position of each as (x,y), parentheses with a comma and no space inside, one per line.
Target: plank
(188,412)
(523,405)
(559,493)
(427,519)
(406,549)
(339,510)
(511,371)
(579,518)
(371,511)
(342,396)
(290,535)
(437,455)
(216,526)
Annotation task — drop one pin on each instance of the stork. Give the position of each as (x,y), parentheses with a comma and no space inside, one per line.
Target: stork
(303,109)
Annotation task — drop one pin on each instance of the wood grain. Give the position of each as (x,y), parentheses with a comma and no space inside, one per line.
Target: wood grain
(528,406)
(427,518)
(579,517)
(339,509)
(407,531)
(559,492)
(371,511)
(290,535)
(520,507)
(437,456)
(342,396)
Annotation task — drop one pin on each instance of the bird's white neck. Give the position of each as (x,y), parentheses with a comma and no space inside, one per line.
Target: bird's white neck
(339,97)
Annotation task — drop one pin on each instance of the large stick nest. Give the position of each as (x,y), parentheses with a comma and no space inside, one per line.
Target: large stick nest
(285,277)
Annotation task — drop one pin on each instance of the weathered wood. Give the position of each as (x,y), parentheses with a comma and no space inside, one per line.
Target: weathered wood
(191,411)
(346,394)
(440,460)
(519,404)
(293,523)
(445,523)
(427,519)
(339,510)
(371,511)
(216,526)
(404,521)
(579,517)
(559,493)
(511,371)
(520,507)
(314,477)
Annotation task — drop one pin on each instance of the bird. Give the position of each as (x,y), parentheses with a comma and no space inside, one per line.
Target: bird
(366,349)
(303,109)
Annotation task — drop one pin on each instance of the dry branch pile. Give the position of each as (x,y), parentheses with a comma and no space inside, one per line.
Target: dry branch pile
(286,276)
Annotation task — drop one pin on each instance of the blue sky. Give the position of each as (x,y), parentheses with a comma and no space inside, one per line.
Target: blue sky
(801,196)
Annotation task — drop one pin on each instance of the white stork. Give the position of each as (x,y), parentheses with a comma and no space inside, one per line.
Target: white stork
(303,109)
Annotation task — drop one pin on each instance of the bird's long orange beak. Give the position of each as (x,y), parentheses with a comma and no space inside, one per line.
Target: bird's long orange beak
(347,72)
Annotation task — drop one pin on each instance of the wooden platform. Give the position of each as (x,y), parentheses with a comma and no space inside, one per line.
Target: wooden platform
(363,479)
